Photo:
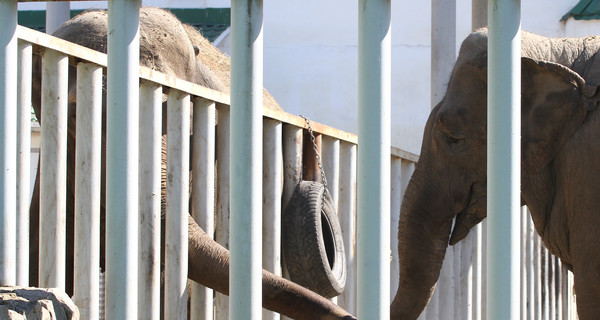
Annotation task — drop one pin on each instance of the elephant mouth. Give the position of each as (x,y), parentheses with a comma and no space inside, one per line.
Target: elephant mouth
(473,214)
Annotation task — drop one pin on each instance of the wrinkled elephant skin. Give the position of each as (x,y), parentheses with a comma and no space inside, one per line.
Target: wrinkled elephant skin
(560,169)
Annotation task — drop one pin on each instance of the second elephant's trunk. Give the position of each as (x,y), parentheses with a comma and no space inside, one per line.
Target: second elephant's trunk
(422,241)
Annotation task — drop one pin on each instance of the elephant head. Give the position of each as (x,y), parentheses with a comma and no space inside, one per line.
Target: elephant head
(449,181)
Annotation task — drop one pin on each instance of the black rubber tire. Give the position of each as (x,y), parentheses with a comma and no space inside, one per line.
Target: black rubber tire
(313,246)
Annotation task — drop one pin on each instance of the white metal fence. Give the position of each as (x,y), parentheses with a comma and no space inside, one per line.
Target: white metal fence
(546,286)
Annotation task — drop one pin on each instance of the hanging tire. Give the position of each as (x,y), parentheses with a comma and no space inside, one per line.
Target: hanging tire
(312,241)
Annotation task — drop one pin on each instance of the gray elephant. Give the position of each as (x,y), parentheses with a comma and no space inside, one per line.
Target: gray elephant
(560,169)
(169,47)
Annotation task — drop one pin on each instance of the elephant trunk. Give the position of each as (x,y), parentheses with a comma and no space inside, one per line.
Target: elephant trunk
(279,295)
(422,241)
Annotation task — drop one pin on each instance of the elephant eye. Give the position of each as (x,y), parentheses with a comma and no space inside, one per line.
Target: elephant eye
(453,140)
(456,142)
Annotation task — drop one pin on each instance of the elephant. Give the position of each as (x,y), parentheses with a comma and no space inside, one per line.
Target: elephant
(167,46)
(559,177)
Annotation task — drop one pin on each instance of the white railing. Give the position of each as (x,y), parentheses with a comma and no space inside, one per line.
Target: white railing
(546,286)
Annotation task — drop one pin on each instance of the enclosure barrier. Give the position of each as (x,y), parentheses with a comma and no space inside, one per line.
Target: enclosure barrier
(546,285)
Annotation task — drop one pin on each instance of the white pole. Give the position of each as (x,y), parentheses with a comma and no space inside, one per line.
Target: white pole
(374,100)
(478,20)
(203,193)
(272,184)
(57,12)
(150,198)
(122,159)
(479,14)
(178,183)
(24,162)
(443,55)
(330,156)
(223,198)
(504,132)
(8,140)
(443,48)
(347,215)
(87,190)
(53,169)
(245,282)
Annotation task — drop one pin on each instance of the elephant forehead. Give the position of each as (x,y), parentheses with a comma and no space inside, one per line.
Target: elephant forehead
(465,101)
(462,116)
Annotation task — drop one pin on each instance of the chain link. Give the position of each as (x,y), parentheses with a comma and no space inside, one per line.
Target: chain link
(314,142)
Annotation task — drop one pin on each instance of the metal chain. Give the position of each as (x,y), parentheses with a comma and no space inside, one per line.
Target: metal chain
(312,137)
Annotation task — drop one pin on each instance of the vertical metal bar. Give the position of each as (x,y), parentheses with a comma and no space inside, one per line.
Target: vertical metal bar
(292,157)
(443,49)
(246,159)
(443,55)
(347,215)
(465,279)
(374,100)
(178,183)
(331,166)
(272,184)
(203,192)
(537,276)
(292,163)
(395,205)
(433,309)
(478,20)
(87,190)
(552,285)
(53,171)
(122,138)
(223,198)
(445,286)
(24,161)
(530,267)
(479,15)
(504,132)
(330,160)
(467,275)
(523,266)
(57,12)
(8,140)
(150,172)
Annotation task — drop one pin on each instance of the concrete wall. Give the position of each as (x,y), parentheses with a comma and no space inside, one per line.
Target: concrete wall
(311,55)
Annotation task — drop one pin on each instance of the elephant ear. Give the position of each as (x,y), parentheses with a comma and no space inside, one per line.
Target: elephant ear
(555,102)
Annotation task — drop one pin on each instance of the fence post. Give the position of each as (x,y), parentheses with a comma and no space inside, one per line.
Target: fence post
(53,169)
(24,161)
(203,193)
(87,190)
(272,185)
(8,140)
(176,233)
(149,200)
(374,100)
(347,215)
(504,156)
(122,159)
(57,12)
(245,281)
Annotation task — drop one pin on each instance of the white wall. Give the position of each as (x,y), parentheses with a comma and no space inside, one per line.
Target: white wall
(311,61)
(311,57)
